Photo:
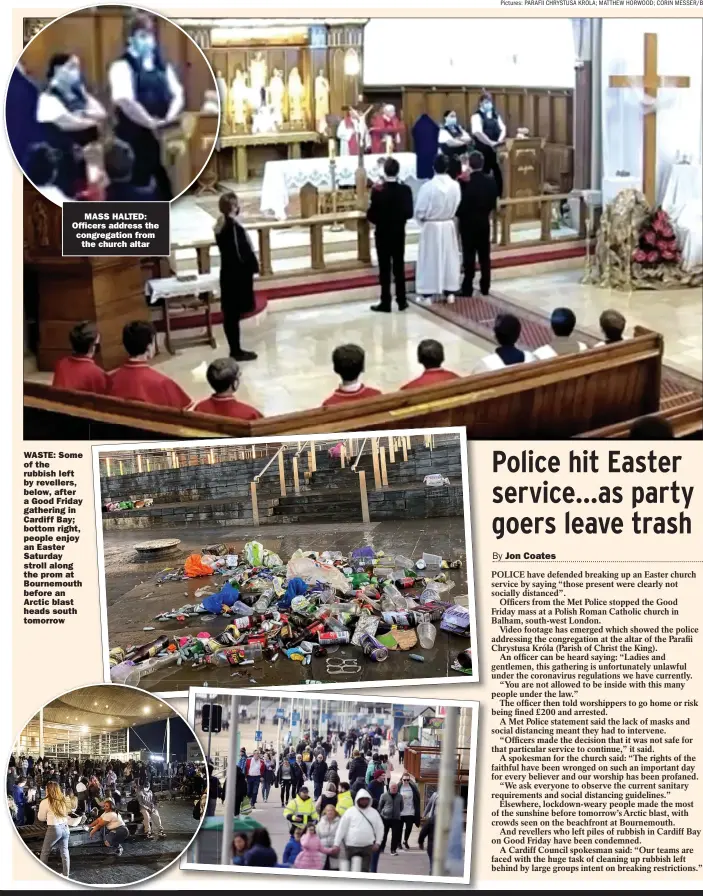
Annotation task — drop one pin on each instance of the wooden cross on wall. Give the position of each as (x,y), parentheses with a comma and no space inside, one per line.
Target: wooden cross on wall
(650,82)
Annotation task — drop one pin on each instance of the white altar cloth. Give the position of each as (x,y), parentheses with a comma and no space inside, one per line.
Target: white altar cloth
(288,176)
(173,287)
(683,203)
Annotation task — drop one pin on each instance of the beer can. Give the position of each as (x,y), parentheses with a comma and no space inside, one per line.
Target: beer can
(373,648)
(327,638)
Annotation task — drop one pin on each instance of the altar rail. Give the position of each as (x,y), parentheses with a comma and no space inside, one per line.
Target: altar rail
(502,222)
(557,398)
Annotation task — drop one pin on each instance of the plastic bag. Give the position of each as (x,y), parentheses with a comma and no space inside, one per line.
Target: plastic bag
(194,567)
(312,571)
(271,560)
(254,552)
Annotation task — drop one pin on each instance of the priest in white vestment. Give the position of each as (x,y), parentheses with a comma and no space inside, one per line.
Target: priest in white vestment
(438,270)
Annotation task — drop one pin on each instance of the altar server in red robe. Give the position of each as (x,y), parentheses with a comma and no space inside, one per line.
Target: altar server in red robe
(137,381)
(224,377)
(386,131)
(430,354)
(348,363)
(79,371)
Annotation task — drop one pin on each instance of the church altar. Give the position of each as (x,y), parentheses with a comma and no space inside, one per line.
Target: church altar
(684,205)
(284,177)
(615,184)
(240,143)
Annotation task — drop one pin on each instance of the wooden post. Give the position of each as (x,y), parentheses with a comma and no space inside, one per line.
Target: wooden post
(241,165)
(317,249)
(296,479)
(313,456)
(404,443)
(139,464)
(265,263)
(343,457)
(376,468)
(363,241)
(282,473)
(546,217)
(254,504)
(308,200)
(310,463)
(384,472)
(107,466)
(364,497)
(391,449)
(148,465)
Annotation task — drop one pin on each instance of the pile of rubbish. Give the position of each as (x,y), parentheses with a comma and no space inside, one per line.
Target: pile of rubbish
(111,506)
(302,609)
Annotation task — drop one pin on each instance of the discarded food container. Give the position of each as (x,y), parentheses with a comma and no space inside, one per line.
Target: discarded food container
(426,633)
(433,560)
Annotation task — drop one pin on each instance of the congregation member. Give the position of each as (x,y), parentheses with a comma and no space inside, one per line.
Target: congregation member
(238,267)
(135,380)
(506,330)
(41,165)
(488,131)
(651,428)
(438,263)
(453,140)
(148,96)
(348,364)
(224,377)
(70,117)
(612,325)
(562,322)
(79,371)
(479,197)
(119,171)
(390,209)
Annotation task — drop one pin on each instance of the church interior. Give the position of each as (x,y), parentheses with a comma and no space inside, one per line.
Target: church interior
(97,36)
(602,152)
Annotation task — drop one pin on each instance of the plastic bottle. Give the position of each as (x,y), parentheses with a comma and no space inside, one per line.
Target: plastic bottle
(125,673)
(264,601)
(250,652)
(218,659)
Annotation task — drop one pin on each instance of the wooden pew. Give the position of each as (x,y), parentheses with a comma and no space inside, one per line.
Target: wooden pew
(558,398)
(686,420)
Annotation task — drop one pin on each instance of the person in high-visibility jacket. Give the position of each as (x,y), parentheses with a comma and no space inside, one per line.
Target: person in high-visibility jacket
(345,800)
(301,810)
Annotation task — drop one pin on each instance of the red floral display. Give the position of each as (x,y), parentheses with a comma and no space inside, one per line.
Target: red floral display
(657,241)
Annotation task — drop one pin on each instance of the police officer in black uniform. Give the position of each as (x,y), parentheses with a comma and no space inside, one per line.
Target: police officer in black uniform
(488,131)
(147,96)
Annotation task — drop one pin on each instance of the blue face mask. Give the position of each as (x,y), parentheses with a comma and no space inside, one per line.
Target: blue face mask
(68,76)
(451,120)
(143,43)
(486,108)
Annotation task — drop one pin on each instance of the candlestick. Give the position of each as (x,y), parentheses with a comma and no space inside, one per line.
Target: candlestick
(332,147)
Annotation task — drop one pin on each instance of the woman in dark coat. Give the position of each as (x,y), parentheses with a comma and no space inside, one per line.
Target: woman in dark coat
(238,265)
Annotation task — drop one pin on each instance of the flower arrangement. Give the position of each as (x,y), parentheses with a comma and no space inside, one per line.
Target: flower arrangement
(657,241)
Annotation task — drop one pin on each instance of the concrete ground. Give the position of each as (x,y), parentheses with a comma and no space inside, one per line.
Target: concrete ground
(206,849)
(92,864)
(134,598)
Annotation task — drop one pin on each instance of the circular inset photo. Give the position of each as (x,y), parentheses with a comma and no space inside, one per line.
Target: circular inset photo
(107,785)
(112,103)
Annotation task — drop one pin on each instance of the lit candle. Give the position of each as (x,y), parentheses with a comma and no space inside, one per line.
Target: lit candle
(332,147)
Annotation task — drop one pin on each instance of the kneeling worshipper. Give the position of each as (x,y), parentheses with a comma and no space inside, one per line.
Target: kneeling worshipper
(506,330)
(135,380)
(488,131)
(224,378)
(563,322)
(69,116)
(430,353)
(148,97)
(79,371)
(438,270)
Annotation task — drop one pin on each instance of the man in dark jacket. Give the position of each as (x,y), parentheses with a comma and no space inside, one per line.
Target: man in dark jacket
(357,767)
(427,833)
(479,196)
(318,770)
(391,208)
